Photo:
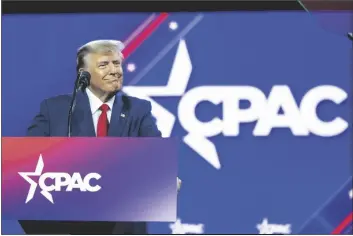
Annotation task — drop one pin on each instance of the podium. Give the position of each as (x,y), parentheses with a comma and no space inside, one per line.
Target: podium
(89,179)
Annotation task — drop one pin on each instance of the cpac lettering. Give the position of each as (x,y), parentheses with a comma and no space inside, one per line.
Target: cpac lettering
(60,180)
(301,120)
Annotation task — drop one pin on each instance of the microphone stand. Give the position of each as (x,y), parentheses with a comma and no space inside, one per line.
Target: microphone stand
(78,86)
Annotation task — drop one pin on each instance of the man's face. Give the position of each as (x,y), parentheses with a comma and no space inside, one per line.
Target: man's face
(106,71)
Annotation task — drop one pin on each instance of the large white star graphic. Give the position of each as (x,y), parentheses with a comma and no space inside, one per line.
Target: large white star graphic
(33,184)
(176,86)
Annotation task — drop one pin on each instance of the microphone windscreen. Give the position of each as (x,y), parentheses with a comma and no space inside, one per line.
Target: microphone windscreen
(85,75)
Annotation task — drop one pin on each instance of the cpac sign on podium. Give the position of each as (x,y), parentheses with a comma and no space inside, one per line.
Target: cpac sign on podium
(89,179)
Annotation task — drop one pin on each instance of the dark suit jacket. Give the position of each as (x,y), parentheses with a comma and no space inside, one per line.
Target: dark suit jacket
(131,117)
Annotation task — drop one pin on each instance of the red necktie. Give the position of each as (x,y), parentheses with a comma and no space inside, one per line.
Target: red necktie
(102,126)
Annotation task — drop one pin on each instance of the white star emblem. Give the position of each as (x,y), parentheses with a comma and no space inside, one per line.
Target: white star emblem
(266,228)
(263,227)
(33,184)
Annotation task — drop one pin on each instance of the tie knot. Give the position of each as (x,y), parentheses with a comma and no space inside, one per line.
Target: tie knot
(104,108)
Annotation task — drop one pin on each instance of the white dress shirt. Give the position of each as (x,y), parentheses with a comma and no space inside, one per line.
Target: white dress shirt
(95,103)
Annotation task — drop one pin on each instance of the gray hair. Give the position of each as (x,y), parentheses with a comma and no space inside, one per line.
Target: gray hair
(97,46)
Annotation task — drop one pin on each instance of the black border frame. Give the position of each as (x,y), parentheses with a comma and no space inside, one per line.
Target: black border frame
(46,7)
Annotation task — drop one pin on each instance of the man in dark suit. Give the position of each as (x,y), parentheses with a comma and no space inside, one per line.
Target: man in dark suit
(101,104)
(101,110)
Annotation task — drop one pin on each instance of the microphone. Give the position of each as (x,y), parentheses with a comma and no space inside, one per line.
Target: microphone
(82,82)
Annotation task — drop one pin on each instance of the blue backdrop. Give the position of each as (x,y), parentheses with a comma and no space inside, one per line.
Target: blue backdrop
(283,178)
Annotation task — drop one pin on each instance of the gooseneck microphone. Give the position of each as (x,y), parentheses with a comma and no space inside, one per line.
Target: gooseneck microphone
(81,83)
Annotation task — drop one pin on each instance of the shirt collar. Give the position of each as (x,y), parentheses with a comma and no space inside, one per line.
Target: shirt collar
(95,102)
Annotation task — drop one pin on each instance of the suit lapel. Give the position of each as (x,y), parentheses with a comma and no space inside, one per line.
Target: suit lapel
(119,117)
(82,121)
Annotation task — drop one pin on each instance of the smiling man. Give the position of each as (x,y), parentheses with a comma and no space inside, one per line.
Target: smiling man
(101,110)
